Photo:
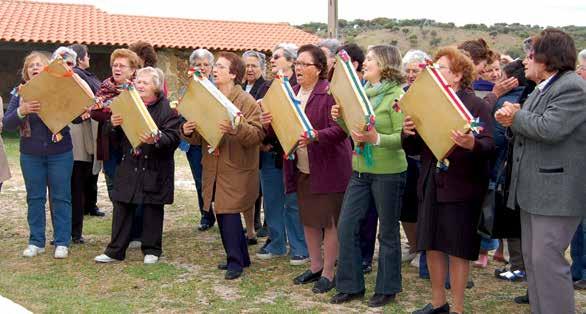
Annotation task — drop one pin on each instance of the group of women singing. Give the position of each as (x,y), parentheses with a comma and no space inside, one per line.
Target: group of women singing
(320,202)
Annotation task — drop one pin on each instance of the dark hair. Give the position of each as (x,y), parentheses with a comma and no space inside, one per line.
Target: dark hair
(478,50)
(319,59)
(556,50)
(516,69)
(356,54)
(146,52)
(80,50)
(237,66)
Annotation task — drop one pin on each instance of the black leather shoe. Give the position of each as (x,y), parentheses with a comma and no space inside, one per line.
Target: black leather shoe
(222,266)
(346,297)
(232,274)
(428,309)
(366,268)
(307,277)
(522,299)
(252,241)
(96,212)
(379,300)
(79,240)
(323,285)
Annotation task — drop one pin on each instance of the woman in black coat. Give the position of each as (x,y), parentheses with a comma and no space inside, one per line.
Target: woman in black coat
(450,199)
(145,175)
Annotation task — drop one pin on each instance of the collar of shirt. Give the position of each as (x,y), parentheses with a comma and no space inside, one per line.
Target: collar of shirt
(544,83)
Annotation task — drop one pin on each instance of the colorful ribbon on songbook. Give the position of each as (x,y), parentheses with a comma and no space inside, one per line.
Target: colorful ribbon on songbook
(309,132)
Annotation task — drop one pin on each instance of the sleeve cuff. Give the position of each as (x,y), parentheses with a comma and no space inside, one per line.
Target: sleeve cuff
(377,143)
(20,115)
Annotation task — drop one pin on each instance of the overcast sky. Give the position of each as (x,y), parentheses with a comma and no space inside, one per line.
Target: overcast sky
(544,13)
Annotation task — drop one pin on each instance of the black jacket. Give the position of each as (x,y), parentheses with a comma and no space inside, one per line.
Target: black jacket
(148,177)
(254,91)
(89,77)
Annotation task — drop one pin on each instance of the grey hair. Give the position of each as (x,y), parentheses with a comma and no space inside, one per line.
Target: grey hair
(201,53)
(331,44)
(289,50)
(582,55)
(414,55)
(262,59)
(68,54)
(527,45)
(157,76)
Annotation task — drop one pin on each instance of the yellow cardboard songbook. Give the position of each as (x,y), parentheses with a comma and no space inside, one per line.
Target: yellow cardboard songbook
(136,119)
(436,110)
(289,119)
(207,106)
(350,95)
(63,95)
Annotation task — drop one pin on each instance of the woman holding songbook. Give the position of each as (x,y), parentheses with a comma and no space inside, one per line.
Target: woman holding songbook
(320,171)
(379,170)
(124,63)
(230,172)
(451,191)
(145,176)
(46,161)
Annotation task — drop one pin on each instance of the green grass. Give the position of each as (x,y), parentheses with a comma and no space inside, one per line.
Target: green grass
(186,279)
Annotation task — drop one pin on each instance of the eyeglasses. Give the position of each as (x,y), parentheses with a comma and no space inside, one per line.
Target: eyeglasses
(202,65)
(119,66)
(302,65)
(252,66)
(220,66)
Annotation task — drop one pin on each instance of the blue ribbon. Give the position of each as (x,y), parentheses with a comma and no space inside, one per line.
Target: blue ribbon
(297,105)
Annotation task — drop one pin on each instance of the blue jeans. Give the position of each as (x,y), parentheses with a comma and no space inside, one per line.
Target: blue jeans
(281,211)
(387,194)
(578,253)
(40,173)
(194,158)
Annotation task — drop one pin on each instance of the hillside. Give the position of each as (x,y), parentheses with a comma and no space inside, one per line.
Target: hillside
(428,35)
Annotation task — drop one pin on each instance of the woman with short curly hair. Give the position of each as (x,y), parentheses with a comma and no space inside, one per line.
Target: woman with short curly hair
(380,174)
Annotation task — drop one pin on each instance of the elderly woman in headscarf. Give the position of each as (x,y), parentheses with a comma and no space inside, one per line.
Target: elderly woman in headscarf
(46,160)
(145,178)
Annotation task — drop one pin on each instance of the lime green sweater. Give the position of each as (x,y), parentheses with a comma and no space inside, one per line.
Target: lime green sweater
(388,156)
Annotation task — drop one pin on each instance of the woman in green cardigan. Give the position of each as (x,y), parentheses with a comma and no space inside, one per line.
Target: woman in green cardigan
(378,179)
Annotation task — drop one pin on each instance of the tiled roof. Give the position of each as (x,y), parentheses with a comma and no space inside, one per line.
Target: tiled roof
(31,21)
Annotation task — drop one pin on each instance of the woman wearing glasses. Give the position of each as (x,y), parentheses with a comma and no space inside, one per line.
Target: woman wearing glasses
(230,176)
(320,170)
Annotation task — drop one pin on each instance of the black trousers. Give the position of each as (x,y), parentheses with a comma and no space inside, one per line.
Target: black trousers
(84,194)
(152,225)
(234,241)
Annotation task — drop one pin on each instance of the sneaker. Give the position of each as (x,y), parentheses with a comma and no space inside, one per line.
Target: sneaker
(32,250)
(61,251)
(134,245)
(104,259)
(298,260)
(151,259)
(263,253)
(415,261)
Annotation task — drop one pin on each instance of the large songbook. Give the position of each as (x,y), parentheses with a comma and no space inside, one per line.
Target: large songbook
(204,104)
(136,118)
(63,95)
(436,110)
(289,119)
(349,93)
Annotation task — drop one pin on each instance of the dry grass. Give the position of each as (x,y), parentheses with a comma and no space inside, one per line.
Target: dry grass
(186,280)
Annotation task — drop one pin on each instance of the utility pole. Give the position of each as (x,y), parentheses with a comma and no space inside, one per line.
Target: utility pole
(333,19)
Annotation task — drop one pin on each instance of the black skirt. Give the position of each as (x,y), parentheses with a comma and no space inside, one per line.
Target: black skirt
(447,227)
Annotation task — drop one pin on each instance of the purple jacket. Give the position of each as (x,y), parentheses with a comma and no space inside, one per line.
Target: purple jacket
(330,158)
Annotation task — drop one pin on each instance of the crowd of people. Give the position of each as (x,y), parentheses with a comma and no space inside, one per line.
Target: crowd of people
(322,207)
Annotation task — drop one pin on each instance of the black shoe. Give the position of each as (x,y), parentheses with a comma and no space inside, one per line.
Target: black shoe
(79,240)
(346,297)
(428,309)
(263,232)
(307,277)
(366,268)
(222,266)
(379,300)
(523,299)
(323,285)
(232,274)
(96,212)
(52,242)
(252,241)
(204,226)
